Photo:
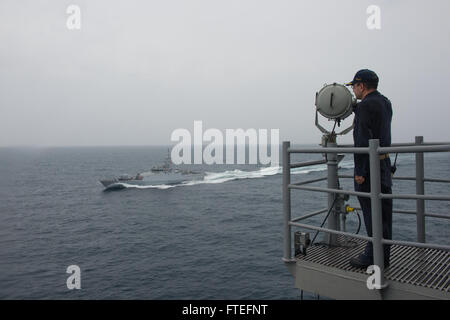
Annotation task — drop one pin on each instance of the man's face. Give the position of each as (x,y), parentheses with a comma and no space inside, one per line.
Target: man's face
(358,90)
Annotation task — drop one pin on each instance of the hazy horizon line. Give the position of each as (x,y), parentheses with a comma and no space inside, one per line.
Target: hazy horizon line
(132,145)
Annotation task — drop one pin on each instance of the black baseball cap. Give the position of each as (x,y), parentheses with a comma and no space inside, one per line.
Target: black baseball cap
(365,76)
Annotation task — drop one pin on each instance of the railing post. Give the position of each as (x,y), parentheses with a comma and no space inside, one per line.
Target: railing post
(420,189)
(287,200)
(332,169)
(377,219)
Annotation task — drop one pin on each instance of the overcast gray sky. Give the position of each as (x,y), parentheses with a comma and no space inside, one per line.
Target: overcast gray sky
(137,70)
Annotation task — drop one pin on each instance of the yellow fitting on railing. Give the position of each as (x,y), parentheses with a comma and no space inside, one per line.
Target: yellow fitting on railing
(349,209)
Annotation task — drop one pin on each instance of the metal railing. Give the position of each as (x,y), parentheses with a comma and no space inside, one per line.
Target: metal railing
(374,151)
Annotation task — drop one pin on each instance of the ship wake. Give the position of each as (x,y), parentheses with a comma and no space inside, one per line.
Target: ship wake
(231,175)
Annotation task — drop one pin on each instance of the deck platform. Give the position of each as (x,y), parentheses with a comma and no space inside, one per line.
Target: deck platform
(414,273)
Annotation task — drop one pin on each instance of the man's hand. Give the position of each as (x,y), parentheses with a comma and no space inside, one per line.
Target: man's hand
(359,179)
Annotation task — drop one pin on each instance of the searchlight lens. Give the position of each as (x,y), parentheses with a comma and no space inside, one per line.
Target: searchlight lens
(335,101)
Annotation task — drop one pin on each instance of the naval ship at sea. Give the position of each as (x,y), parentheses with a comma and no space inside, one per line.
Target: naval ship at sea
(418,269)
(165,174)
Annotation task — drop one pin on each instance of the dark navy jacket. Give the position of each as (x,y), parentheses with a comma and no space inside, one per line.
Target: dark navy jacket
(373,116)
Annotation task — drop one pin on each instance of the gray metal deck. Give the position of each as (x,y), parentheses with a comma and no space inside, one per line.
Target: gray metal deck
(418,270)
(424,273)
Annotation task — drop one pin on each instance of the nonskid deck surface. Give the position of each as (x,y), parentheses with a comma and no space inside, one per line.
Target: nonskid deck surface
(428,268)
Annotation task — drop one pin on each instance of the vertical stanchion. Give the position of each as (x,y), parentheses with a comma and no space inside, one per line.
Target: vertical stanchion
(287,200)
(420,190)
(377,222)
(333,220)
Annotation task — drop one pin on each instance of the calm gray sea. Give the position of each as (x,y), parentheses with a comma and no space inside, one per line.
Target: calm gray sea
(219,238)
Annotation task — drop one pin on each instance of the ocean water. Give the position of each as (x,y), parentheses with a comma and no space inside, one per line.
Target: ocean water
(218,238)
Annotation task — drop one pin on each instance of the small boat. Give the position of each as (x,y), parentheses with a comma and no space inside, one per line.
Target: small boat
(165,174)
(122,179)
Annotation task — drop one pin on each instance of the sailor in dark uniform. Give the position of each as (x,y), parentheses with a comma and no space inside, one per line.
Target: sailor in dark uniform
(372,120)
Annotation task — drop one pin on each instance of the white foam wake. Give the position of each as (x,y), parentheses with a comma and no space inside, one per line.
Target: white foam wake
(230,175)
